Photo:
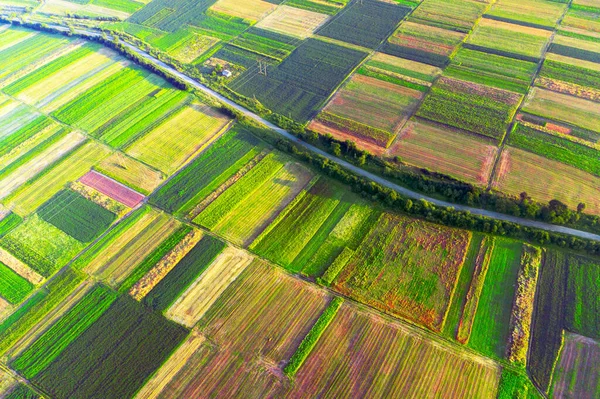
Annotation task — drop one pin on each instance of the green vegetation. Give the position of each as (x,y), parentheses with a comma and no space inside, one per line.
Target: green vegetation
(116,363)
(555,147)
(491,327)
(583,297)
(41,246)
(9,222)
(77,216)
(479,109)
(13,287)
(207,172)
(22,391)
(148,263)
(54,341)
(309,342)
(184,273)
(34,310)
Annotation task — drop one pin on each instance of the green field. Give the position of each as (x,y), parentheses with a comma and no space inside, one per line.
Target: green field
(492,320)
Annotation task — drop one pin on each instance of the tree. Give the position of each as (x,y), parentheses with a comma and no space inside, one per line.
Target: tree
(337,149)
(580,207)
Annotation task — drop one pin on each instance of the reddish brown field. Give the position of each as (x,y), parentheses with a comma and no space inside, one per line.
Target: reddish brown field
(251,331)
(362,355)
(446,150)
(111,188)
(576,375)
(406,268)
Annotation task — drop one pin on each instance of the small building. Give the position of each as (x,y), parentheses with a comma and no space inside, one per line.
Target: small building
(227,73)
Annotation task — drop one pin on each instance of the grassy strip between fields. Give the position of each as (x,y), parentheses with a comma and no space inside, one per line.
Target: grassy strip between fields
(309,342)
(336,267)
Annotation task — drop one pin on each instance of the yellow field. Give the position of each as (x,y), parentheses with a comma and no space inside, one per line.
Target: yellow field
(131,172)
(588,45)
(178,138)
(118,260)
(253,10)
(52,83)
(57,100)
(204,292)
(32,168)
(293,21)
(60,7)
(32,195)
(446,151)
(544,180)
(28,145)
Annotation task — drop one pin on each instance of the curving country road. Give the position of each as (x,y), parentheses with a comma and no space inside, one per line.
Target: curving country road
(355,169)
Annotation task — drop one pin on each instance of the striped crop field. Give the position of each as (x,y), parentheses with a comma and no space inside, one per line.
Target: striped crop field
(20,268)
(563,108)
(542,13)
(119,362)
(178,138)
(131,173)
(207,288)
(457,15)
(406,268)
(446,150)
(403,69)
(37,308)
(255,325)
(508,39)
(427,44)
(28,52)
(14,177)
(70,168)
(124,252)
(112,189)
(583,299)
(491,327)
(13,287)
(220,162)
(253,10)
(409,365)
(368,110)
(64,331)
(97,8)
(36,88)
(296,225)
(245,209)
(545,179)
(576,374)
(293,21)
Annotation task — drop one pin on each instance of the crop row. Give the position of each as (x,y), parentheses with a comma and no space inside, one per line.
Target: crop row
(122,348)
(52,342)
(75,215)
(184,273)
(206,172)
(364,132)
(13,287)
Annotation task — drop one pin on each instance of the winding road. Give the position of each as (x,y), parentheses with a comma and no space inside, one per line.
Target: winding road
(355,169)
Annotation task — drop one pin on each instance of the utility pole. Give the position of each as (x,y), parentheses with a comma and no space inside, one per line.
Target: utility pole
(262,67)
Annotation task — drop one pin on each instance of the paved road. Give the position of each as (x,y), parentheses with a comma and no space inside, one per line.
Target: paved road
(359,171)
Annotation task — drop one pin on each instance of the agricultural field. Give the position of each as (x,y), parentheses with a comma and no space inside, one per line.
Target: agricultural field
(576,374)
(224,267)
(365,23)
(455,15)
(565,108)
(423,43)
(406,269)
(368,111)
(493,70)
(469,106)
(534,13)
(254,326)
(445,150)
(545,179)
(293,21)
(303,81)
(510,40)
(409,365)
